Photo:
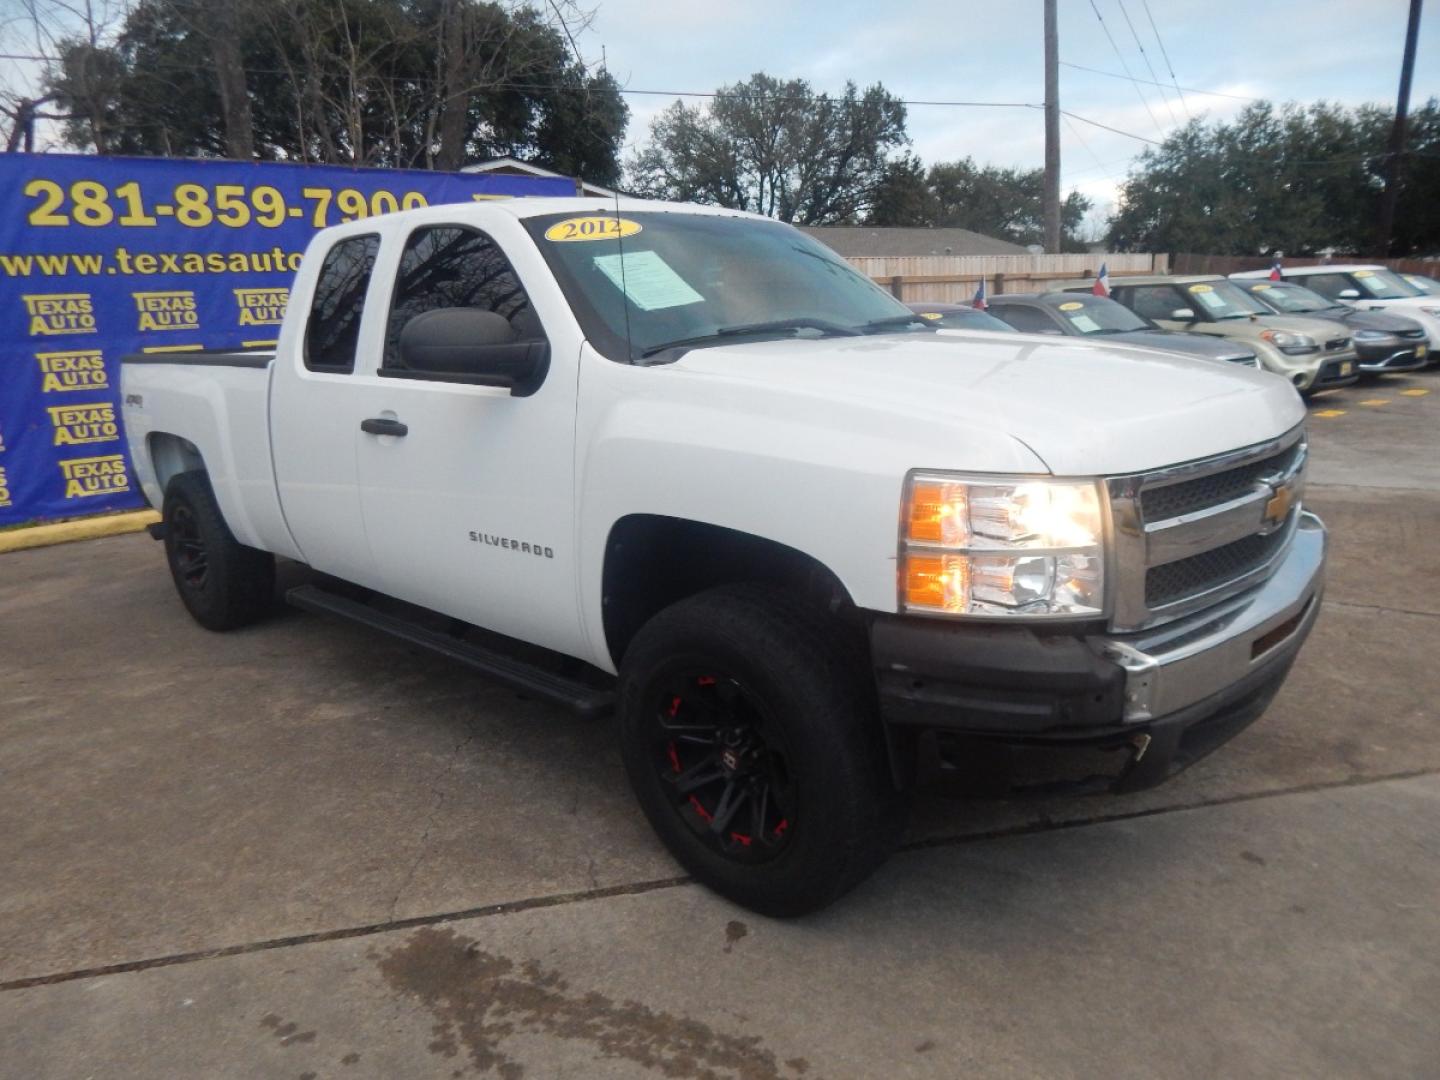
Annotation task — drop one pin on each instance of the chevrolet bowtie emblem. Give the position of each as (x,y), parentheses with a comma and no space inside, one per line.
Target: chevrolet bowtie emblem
(1278,508)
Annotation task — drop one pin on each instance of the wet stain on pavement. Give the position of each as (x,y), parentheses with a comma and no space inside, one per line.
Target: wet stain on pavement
(734,931)
(1251,857)
(287,1032)
(479,1000)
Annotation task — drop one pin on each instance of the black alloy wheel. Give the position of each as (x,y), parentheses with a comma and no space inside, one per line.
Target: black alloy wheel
(725,766)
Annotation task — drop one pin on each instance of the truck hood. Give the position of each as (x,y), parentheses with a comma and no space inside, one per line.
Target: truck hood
(1082,408)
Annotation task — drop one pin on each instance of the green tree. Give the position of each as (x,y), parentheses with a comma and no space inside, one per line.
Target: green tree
(775,147)
(1297,179)
(400,83)
(1003,202)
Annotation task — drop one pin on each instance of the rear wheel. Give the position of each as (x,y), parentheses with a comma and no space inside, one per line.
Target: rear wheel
(222,583)
(755,751)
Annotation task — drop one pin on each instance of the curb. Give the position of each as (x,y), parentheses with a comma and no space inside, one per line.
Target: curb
(65,532)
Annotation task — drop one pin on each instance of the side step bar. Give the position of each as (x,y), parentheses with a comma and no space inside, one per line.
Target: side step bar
(519,675)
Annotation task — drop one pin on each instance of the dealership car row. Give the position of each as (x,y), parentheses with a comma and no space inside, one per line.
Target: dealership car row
(1321,327)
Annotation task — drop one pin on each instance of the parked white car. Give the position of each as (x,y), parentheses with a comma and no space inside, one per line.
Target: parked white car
(1368,287)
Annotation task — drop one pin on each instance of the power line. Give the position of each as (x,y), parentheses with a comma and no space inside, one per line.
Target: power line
(1146,57)
(1169,66)
(1131,78)
(1107,127)
(1126,67)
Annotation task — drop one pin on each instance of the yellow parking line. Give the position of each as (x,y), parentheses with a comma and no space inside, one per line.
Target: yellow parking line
(1414,393)
(1327,413)
(1376,401)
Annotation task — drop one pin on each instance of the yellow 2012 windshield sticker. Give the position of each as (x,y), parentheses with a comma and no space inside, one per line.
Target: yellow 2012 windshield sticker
(1071,305)
(593,227)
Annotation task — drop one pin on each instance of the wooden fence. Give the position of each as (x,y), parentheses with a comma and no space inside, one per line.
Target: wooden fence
(954,278)
(1188,263)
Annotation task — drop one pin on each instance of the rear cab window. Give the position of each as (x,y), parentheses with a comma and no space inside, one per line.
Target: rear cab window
(333,328)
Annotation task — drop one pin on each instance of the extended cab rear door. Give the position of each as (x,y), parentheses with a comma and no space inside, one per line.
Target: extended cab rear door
(467,492)
(316,409)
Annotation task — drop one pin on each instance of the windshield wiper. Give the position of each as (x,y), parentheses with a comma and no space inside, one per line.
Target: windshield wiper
(890,320)
(773,326)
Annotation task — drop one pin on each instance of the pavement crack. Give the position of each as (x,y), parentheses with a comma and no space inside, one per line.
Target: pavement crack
(638,888)
(439,789)
(1381,608)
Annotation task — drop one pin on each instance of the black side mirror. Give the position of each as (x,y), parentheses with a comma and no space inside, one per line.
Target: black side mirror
(467,345)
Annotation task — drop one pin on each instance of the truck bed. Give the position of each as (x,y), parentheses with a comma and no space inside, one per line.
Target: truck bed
(216,403)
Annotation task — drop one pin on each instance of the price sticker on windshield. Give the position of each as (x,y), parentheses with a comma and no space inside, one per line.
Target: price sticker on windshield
(1071,305)
(1364,273)
(595,227)
(1261,287)
(1201,289)
(930,314)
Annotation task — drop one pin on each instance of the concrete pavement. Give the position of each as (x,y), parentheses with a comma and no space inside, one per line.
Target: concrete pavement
(302,849)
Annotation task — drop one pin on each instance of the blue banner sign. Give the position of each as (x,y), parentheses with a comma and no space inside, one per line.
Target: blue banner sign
(104,256)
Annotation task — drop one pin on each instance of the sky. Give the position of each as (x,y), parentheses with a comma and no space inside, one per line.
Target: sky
(1345,51)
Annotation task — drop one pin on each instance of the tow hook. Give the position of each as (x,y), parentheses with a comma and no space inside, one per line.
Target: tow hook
(1141,744)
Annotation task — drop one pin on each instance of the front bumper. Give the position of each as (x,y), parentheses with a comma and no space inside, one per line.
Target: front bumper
(1147,704)
(1394,357)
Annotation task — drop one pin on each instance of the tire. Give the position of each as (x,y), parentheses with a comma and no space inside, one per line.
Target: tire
(755,750)
(222,583)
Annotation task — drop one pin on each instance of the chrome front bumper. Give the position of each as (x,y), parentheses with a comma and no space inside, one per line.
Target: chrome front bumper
(1188,660)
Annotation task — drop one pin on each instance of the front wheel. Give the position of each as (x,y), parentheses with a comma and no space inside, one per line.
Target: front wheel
(222,583)
(755,751)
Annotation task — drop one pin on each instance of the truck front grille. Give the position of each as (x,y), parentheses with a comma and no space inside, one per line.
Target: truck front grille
(1203,492)
(1169,582)
(1193,534)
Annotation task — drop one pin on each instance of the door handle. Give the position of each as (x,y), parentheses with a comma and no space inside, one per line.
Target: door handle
(377,425)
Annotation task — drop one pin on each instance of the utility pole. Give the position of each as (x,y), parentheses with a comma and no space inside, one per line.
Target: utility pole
(1051,198)
(1385,225)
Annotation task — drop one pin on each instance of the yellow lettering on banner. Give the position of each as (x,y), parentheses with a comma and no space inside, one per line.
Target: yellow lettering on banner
(82,369)
(4,488)
(76,424)
(94,476)
(60,313)
(262,307)
(174,310)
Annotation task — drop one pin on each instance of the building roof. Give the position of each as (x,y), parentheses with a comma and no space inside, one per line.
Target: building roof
(852,241)
(515,167)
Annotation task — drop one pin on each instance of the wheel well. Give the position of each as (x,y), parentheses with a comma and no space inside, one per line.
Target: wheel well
(170,454)
(653,561)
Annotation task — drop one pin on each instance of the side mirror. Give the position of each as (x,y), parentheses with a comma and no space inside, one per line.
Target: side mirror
(1349,294)
(466,345)
(1183,314)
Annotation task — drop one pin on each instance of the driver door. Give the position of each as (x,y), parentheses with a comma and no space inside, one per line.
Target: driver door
(467,492)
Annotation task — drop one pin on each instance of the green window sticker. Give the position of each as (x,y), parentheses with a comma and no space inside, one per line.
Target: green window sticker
(648,280)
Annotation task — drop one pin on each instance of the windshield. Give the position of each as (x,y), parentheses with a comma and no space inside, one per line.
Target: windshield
(1382,284)
(1425,284)
(1291,299)
(962,319)
(1099,315)
(1222,300)
(644,281)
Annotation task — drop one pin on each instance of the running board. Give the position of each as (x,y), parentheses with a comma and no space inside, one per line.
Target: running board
(517,674)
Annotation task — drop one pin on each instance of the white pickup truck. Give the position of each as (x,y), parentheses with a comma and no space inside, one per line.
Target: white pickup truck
(687,464)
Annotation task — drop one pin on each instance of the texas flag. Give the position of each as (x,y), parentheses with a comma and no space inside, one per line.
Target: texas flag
(1102,283)
(1275,269)
(980,301)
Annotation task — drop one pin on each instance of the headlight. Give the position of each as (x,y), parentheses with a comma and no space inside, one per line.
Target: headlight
(1289,342)
(1431,311)
(999,546)
(1370,335)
